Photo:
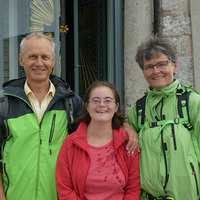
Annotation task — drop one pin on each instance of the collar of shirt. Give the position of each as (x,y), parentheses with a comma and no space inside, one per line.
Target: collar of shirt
(39,109)
(51,91)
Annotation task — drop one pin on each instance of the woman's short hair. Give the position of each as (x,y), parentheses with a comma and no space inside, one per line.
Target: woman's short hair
(154,47)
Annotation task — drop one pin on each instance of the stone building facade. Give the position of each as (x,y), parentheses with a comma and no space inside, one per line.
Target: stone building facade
(177,20)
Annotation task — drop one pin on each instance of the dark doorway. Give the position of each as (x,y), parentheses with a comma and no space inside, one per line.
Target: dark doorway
(67,41)
(92,43)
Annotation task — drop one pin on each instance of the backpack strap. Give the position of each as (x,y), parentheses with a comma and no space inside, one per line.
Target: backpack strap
(3,104)
(183,103)
(69,109)
(3,113)
(140,109)
(70,115)
(184,113)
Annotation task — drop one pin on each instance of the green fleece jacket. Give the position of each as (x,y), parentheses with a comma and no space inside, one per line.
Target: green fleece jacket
(31,150)
(168,163)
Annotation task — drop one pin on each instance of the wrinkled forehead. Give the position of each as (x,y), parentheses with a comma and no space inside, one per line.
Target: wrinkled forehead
(38,44)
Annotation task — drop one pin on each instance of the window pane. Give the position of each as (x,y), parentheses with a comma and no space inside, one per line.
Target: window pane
(21,17)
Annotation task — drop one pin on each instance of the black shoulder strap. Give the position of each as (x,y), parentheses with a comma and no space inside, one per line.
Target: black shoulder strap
(69,109)
(183,109)
(3,104)
(70,115)
(183,99)
(140,108)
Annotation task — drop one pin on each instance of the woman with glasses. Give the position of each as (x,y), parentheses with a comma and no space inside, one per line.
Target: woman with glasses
(168,138)
(93,163)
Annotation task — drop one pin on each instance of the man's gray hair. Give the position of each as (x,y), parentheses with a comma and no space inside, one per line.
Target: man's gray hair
(36,35)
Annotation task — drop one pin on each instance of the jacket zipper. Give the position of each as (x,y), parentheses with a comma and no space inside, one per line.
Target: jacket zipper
(7,183)
(174,137)
(164,148)
(2,154)
(195,176)
(6,125)
(38,164)
(52,132)
(6,139)
(2,147)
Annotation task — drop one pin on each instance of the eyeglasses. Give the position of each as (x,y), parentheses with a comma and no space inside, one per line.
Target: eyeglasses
(106,102)
(160,65)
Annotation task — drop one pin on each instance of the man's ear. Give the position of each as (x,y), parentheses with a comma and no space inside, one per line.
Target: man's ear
(21,60)
(54,61)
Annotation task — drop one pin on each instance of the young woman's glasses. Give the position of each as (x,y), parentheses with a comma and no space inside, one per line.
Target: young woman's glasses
(106,102)
(162,65)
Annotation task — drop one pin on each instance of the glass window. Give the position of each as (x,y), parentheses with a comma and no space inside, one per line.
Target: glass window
(21,17)
(87,34)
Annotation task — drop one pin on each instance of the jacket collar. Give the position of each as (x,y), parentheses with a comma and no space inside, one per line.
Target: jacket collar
(165,91)
(79,137)
(16,87)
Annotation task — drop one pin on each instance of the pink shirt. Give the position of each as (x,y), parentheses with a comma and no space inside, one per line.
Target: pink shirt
(105,179)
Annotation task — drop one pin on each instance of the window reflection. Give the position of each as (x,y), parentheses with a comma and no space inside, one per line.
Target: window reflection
(21,17)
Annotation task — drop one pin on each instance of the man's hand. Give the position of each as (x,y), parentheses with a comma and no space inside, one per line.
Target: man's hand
(133,139)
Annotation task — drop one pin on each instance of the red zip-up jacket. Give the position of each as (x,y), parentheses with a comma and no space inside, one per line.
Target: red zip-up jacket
(74,161)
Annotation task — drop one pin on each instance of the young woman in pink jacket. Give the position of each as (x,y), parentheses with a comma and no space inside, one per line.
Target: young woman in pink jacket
(93,163)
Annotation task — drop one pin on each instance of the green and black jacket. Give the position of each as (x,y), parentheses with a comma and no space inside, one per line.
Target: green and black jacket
(31,148)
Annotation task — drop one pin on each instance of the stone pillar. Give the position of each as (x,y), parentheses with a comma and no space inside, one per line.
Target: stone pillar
(137,27)
(195,26)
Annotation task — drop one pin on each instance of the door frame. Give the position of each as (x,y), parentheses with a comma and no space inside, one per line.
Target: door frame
(114,46)
(76,49)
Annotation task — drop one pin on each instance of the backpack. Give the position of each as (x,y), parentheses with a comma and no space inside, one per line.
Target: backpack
(3,104)
(70,113)
(183,99)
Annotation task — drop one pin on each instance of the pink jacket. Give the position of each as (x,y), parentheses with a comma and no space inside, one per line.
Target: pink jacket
(74,161)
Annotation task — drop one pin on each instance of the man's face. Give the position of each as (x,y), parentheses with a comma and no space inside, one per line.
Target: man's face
(38,60)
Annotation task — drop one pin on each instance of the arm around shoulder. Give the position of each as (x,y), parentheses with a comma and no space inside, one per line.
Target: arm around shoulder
(133,139)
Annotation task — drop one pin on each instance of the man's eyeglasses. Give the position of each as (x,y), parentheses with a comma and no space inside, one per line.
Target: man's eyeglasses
(162,65)
(106,102)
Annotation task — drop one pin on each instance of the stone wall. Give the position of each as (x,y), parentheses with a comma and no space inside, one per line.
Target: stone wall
(174,23)
(170,19)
